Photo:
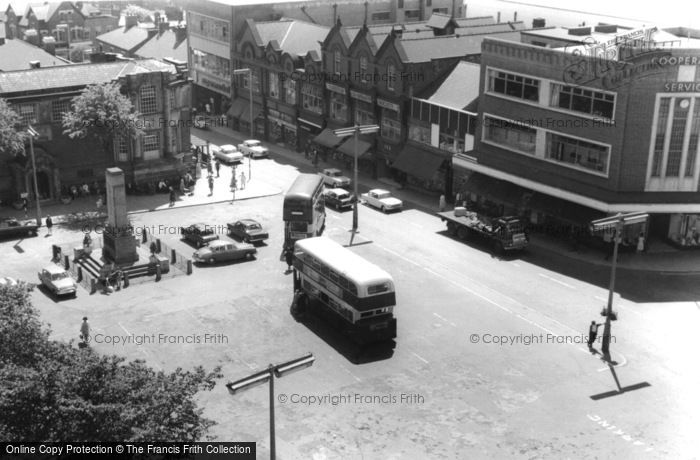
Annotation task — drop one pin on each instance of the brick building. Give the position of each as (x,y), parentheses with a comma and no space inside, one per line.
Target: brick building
(159,93)
(573,133)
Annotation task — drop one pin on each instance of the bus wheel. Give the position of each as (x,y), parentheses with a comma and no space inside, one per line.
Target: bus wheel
(462,233)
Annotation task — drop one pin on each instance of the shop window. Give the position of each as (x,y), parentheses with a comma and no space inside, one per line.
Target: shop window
(511,135)
(582,100)
(578,153)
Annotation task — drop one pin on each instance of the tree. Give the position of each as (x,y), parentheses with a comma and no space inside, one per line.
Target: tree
(143,14)
(101,111)
(52,391)
(11,140)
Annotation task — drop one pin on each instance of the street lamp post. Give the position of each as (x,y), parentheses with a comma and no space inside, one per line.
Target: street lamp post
(355,131)
(32,133)
(249,71)
(268,376)
(617,223)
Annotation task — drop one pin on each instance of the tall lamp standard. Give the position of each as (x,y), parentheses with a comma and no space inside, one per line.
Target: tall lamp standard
(249,71)
(32,134)
(617,223)
(355,131)
(268,375)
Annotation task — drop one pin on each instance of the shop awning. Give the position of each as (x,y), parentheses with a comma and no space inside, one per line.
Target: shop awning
(348,147)
(417,162)
(245,114)
(496,190)
(237,107)
(328,139)
(565,210)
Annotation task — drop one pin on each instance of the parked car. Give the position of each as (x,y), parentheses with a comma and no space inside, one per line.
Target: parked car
(228,153)
(201,122)
(10,228)
(247,230)
(338,198)
(199,234)
(254,149)
(220,251)
(58,281)
(334,178)
(382,199)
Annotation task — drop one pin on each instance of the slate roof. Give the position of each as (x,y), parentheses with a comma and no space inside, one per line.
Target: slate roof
(475,21)
(16,55)
(439,21)
(423,50)
(123,38)
(76,75)
(460,87)
(293,36)
(164,45)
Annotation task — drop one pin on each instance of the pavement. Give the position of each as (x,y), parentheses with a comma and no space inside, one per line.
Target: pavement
(660,258)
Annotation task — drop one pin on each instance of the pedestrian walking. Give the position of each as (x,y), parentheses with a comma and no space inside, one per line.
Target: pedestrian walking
(289,257)
(592,333)
(172,197)
(217,165)
(25,207)
(443,203)
(640,243)
(242,180)
(84,332)
(49,224)
(211,185)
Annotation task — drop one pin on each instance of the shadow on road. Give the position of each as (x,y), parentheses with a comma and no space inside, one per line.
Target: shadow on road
(620,390)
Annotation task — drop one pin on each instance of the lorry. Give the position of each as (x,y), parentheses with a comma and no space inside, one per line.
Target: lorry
(503,233)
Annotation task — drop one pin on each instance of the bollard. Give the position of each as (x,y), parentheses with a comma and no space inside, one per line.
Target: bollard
(80,273)
(173,256)
(158,245)
(56,250)
(144,235)
(158,276)
(93,286)
(126,280)
(189,267)
(66,263)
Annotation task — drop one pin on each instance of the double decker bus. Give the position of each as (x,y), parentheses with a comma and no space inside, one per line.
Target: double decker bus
(354,295)
(304,209)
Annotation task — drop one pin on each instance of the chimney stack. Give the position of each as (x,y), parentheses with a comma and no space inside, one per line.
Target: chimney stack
(538,23)
(335,13)
(498,18)
(34,64)
(130,21)
(515,16)
(49,44)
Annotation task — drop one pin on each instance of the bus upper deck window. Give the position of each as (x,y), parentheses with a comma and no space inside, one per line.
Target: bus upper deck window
(377,288)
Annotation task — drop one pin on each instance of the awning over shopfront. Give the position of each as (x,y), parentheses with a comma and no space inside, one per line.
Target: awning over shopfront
(348,147)
(563,210)
(245,114)
(237,107)
(417,162)
(496,190)
(328,139)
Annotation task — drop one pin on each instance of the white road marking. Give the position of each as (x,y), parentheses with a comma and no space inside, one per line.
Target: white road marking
(445,320)
(353,375)
(619,364)
(127,332)
(415,224)
(417,356)
(557,281)
(250,366)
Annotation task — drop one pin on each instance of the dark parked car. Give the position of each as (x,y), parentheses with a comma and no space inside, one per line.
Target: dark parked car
(13,228)
(221,251)
(199,234)
(247,230)
(338,198)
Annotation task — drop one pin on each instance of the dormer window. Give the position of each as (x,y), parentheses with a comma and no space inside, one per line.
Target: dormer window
(390,76)
(363,68)
(336,62)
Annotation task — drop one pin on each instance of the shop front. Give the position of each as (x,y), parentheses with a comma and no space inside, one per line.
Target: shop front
(424,169)
(346,152)
(307,130)
(212,92)
(281,129)
(684,230)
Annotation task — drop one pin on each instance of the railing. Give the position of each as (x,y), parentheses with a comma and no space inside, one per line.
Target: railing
(177,259)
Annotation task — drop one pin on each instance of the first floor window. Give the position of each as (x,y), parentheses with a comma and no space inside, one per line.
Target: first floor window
(150,146)
(290,91)
(578,153)
(338,107)
(364,114)
(419,134)
(511,135)
(312,98)
(27,113)
(147,99)
(122,148)
(390,125)
(274,85)
(514,85)
(58,108)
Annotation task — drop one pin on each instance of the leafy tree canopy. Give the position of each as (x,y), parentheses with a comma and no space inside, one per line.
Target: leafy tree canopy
(52,391)
(143,14)
(103,112)
(11,140)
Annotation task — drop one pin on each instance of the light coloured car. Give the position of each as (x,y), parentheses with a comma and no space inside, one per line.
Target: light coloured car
(254,149)
(220,251)
(58,281)
(382,199)
(334,177)
(228,153)
(201,122)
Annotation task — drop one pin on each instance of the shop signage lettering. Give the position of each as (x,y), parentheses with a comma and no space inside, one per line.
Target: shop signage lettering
(387,105)
(362,97)
(335,88)
(220,87)
(677,60)
(680,87)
